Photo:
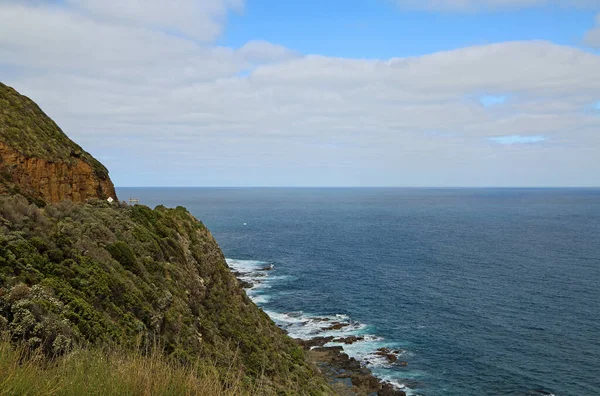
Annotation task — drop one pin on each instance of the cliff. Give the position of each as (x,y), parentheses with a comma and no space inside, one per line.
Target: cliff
(38,160)
(103,274)
(85,276)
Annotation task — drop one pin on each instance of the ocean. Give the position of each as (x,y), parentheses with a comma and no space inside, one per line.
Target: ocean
(479,291)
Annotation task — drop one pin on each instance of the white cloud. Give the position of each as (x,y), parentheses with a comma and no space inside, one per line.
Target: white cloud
(478,5)
(199,19)
(160,105)
(517,139)
(259,51)
(592,38)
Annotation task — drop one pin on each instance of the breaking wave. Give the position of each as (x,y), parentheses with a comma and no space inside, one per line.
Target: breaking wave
(357,339)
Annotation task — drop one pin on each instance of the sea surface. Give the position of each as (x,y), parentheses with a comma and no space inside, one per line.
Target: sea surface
(481,291)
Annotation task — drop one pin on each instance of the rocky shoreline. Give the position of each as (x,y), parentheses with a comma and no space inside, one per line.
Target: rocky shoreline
(345,374)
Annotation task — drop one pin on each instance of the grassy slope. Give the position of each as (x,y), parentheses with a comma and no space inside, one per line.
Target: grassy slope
(95,274)
(29,131)
(110,372)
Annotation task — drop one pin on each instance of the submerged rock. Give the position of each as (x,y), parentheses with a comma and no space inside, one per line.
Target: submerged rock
(349,340)
(388,389)
(246,284)
(391,355)
(314,342)
(337,326)
(338,368)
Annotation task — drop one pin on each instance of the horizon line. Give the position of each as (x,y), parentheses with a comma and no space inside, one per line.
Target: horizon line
(367,187)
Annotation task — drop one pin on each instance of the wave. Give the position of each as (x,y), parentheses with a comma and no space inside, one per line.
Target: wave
(354,337)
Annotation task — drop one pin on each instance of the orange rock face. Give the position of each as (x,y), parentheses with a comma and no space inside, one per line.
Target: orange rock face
(74,180)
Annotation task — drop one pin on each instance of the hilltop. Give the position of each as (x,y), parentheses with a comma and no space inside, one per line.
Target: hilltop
(38,160)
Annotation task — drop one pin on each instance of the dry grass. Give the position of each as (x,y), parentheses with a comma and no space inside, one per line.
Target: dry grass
(95,372)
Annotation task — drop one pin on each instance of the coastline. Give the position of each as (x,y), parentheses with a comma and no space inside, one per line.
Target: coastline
(329,339)
(346,375)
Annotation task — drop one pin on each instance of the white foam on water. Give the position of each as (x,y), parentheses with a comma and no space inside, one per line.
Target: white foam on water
(306,326)
(246,265)
(259,299)
(300,325)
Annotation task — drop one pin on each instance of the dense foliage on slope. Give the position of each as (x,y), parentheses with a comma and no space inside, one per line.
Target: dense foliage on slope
(98,274)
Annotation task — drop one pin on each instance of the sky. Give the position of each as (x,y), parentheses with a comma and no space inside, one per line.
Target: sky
(317,93)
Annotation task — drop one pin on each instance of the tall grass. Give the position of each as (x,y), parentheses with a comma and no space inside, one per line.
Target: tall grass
(110,372)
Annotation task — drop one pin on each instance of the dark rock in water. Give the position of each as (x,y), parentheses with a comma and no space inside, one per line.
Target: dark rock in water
(366,381)
(387,389)
(245,284)
(349,340)
(314,342)
(347,373)
(268,267)
(329,349)
(349,363)
(336,326)
(390,355)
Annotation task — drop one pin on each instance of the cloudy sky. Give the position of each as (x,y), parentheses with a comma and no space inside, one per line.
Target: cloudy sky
(317,93)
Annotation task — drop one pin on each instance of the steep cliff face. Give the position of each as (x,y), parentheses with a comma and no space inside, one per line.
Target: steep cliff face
(38,160)
(55,181)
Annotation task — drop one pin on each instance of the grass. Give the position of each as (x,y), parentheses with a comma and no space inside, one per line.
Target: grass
(110,372)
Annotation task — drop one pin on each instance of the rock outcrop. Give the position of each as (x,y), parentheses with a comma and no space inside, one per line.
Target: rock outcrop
(39,161)
(346,375)
(55,181)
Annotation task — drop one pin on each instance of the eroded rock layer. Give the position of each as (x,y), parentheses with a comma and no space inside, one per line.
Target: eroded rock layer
(38,160)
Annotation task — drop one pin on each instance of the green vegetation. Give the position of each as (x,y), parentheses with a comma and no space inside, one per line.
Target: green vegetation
(111,372)
(88,291)
(28,130)
(74,277)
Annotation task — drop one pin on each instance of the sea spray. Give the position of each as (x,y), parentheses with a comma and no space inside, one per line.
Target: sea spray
(258,276)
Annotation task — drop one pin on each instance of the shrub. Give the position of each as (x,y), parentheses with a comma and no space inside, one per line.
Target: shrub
(74,275)
(121,252)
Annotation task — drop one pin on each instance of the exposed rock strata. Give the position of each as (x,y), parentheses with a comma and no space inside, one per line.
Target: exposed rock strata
(39,161)
(54,181)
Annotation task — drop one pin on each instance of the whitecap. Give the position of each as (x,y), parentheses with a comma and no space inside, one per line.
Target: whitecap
(305,326)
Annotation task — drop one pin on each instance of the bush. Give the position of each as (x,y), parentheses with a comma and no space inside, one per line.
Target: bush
(121,252)
(74,275)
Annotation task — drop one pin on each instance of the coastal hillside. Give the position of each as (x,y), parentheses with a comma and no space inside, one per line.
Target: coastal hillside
(87,284)
(38,160)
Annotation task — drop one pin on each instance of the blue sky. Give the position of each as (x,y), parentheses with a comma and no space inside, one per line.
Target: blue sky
(380,29)
(317,93)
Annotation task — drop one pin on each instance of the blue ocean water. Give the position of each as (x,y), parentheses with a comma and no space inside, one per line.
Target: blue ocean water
(484,291)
